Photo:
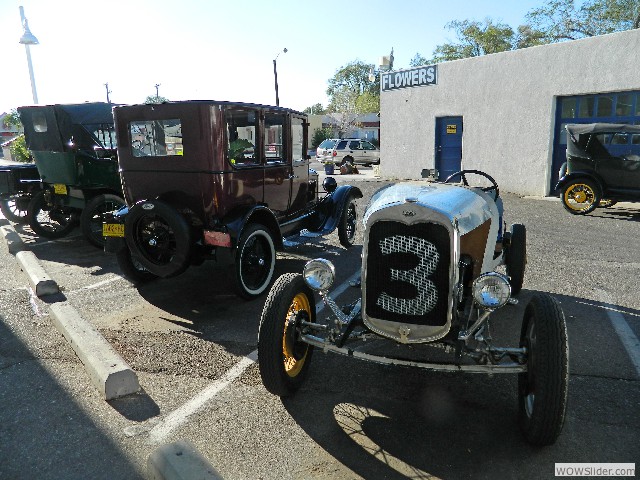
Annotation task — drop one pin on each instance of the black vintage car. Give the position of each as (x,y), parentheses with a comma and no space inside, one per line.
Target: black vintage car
(603,166)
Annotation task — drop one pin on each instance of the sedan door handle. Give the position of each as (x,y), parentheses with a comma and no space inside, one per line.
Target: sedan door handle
(291,177)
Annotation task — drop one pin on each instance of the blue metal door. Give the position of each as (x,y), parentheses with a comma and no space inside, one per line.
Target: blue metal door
(448,146)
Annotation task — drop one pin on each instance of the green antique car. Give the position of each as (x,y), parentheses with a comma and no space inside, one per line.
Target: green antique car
(74,148)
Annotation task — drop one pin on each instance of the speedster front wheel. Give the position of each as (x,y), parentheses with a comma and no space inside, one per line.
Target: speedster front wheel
(542,389)
(284,359)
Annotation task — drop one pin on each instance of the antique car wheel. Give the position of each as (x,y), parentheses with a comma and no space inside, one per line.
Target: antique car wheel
(580,196)
(283,359)
(47,220)
(159,237)
(542,389)
(606,203)
(516,257)
(255,262)
(15,209)
(93,215)
(132,269)
(348,221)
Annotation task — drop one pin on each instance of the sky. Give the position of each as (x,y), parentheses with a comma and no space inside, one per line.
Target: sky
(218,49)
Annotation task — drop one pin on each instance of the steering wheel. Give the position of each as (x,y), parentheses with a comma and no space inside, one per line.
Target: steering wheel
(462,174)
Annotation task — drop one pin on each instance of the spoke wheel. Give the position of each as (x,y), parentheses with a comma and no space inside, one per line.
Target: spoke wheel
(348,221)
(159,237)
(283,358)
(94,214)
(542,389)
(48,220)
(255,262)
(15,209)
(580,197)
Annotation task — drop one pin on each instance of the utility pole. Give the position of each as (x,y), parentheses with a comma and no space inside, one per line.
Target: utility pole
(106,85)
(157,95)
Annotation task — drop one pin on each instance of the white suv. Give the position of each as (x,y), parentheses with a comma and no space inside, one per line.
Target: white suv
(353,150)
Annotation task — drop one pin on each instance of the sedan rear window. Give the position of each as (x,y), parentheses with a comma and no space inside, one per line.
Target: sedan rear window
(156,138)
(327,144)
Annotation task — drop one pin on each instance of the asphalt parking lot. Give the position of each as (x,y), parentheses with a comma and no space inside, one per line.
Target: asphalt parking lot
(192,343)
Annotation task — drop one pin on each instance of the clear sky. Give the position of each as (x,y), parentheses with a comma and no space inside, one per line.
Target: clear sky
(217,49)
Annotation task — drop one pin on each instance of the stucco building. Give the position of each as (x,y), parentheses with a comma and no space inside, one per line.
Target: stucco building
(504,113)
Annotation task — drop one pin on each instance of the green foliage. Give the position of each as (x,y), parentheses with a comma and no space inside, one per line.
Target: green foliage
(353,77)
(561,20)
(153,99)
(19,151)
(13,119)
(368,103)
(555,21)
(316,109)
(475,39)
(319,135)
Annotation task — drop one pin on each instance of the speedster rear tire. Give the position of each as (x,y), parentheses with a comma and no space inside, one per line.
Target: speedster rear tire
(516,257)
(542,389)
(283,359)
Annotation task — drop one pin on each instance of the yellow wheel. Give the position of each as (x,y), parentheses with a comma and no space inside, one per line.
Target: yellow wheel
(282,356)
(580,196)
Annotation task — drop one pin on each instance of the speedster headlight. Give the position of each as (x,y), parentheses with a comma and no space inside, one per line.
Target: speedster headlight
(319,274)
(491,290)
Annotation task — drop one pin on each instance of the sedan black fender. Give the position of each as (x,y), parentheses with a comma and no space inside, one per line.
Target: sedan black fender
(330,209)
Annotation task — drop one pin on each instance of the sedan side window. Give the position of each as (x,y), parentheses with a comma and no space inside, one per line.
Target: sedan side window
(274,137)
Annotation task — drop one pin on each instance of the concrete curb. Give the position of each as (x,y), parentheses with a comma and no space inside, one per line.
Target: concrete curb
(107,370)
(179,461)
(40,281)
(14,242)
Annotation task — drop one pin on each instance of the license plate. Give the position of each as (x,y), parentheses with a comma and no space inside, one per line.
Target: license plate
(59,188)
(113,230)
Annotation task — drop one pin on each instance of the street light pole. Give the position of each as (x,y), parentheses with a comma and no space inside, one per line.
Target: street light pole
(28,39)
(275,75)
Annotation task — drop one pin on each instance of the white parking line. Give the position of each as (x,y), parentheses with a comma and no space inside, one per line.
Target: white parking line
(181,415)
(622,328)
(95,285)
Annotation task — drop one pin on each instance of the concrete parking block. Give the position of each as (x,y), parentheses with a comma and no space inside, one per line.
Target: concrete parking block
(14,242)
(108,371)
(40,281)
(179,461)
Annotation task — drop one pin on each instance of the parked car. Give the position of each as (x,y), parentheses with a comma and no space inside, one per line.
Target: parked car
(429,288)
(603,166)
(348,150)
(212,200)
(18,184)
(74,149)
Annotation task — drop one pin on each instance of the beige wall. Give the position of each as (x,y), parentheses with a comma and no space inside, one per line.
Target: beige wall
(507,101)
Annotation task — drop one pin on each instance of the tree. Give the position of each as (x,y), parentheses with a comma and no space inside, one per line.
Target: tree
(152,99)
(316,109)
(560,20)
(319,135)
(12,119)
(19,150)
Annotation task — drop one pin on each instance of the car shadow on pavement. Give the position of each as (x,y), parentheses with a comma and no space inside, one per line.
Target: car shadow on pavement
(391,422)
(617,213)
(42,425)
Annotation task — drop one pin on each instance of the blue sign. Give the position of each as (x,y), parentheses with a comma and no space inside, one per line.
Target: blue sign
(416,77)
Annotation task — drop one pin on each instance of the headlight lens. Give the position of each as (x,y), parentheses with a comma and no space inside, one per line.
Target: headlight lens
(491,290)
(319,274)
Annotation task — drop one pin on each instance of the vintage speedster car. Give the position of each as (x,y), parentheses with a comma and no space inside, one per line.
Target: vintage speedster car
(73,146)
(602,167)
(221,181)
(428,279)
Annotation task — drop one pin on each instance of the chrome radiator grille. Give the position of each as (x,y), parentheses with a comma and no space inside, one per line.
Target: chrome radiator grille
(407,276)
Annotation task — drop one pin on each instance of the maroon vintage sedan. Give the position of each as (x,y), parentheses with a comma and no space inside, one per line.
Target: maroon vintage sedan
(218,180)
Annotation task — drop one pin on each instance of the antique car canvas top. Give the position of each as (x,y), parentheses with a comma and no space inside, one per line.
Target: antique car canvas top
(429,287)
(602,167)
(74,148)
(222,181)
